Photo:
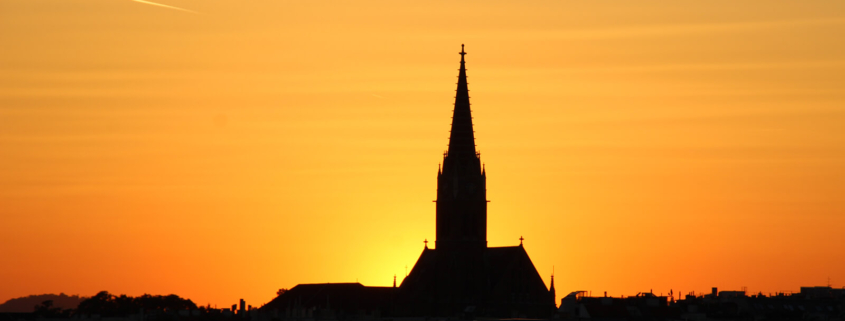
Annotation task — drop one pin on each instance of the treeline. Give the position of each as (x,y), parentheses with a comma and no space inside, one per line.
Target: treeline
(109,305)
(103,304)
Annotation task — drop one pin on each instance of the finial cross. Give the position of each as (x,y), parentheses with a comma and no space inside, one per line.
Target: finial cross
(426,243)
(462,52)
(520,240)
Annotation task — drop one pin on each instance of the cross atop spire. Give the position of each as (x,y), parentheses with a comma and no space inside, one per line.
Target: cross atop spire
(462,138)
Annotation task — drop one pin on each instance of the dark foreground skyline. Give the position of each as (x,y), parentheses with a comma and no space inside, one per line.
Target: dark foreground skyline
(143,147)
(810,303)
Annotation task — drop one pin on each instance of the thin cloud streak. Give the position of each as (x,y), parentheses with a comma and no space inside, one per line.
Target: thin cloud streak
(165,6)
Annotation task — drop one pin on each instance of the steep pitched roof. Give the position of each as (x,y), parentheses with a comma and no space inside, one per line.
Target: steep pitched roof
(421,271)
(501,260)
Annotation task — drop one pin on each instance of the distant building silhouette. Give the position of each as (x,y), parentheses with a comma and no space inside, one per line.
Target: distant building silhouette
(812,303)
(461,276)
(333,301)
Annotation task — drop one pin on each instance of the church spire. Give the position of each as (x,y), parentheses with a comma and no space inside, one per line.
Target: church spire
(552,288)
(461,186)
(461,138)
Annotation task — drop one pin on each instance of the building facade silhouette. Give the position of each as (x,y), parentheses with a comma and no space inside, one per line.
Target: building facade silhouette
(461,276)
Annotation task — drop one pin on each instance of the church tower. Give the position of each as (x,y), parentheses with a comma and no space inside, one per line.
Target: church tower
(461,277)
(461,273)
(461,182)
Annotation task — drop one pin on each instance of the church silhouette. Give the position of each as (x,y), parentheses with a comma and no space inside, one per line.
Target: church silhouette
(461,276)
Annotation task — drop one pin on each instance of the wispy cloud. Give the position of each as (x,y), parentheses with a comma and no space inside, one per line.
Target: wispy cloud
(165,6)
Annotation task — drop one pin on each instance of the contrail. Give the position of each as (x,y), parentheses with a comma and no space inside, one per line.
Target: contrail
(165,6)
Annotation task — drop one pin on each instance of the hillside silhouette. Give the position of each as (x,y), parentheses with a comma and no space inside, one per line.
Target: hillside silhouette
(27,304)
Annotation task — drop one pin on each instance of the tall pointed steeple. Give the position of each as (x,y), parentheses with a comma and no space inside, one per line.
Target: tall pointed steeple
(461,184)
(460,270)
(462,138)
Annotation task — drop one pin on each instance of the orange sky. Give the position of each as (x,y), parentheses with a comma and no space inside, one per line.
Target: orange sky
(244,146)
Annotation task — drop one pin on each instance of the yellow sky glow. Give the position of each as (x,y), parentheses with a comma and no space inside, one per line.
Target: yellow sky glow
(261,144)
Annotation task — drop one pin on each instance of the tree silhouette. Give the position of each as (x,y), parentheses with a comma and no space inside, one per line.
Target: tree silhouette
(108,305)
(47,310)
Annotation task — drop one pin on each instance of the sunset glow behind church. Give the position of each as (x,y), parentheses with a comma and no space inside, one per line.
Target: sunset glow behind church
(236,148)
